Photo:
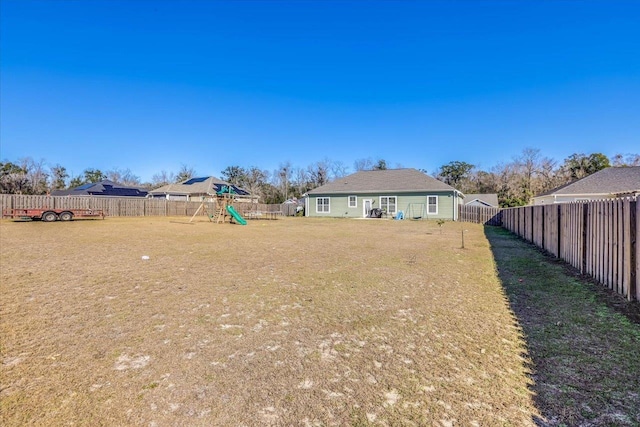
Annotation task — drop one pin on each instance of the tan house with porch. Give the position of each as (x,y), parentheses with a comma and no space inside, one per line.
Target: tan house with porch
(607,183)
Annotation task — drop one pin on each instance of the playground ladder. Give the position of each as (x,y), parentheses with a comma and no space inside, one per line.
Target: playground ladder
(219,215)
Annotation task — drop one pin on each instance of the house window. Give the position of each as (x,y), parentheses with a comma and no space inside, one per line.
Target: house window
(388,204)
(353,201)
(323,205)
(432,205)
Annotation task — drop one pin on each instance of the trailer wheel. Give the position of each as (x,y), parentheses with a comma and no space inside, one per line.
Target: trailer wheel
(49,216)
(65,216)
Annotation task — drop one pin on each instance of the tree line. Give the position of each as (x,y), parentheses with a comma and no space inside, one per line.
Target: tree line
(515,182)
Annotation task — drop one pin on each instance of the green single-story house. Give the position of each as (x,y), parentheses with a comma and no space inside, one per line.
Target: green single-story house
(414,193)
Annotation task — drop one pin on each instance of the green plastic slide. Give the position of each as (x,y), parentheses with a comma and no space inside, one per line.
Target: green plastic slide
(236,215)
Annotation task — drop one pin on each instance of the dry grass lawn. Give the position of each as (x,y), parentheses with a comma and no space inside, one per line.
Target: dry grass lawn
(295,322)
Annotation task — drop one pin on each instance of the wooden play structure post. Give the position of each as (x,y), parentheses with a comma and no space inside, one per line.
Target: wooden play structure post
(222,201)
(202,207)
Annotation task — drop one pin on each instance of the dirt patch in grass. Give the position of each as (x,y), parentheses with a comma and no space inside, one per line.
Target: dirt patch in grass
(299,321)
(583,341)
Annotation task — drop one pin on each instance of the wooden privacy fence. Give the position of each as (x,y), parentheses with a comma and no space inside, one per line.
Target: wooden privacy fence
(599,238)
(129,206)
(481,215)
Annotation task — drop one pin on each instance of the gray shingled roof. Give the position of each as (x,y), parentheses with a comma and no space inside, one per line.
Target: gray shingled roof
(489,198)
(617,180)
(194,186)
(383,181)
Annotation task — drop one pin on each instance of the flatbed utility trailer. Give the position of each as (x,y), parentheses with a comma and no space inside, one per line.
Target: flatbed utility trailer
(51,215)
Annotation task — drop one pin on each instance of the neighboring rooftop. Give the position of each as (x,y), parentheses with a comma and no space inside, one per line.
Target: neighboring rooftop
(102,188)
(610,181)
(203,185)
(383,181)
(490,199)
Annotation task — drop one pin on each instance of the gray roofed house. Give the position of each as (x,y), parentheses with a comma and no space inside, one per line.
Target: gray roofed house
(415,194)
(605,184)
(103,188)
(197,189)
(489,200)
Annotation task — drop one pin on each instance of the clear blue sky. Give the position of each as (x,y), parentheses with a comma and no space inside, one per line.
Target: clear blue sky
(152,85)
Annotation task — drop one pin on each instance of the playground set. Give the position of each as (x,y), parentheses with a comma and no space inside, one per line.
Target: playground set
(224,208)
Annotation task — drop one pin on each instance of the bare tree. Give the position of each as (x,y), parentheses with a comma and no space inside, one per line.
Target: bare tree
(363,164)
(283,175)
(527,163)
(549,175)
(300,181)
(255,181)
(533,173)
(626,160)
(338,170)
(483,182)
(37,175)
(162,178)
(506,184)
(124,177)
(319,173)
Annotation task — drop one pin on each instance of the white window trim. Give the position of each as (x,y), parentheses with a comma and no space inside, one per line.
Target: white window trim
(349,201)
(395,204)
(437,207)
(327,204)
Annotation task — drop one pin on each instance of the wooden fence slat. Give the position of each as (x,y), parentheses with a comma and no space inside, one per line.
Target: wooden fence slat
(591,243)
(609,258)
(635,256)
(626,249)
(619,247)
(602,243)
(599,243)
